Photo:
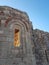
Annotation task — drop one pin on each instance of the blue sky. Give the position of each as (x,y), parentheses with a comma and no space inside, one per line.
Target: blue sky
(38,11)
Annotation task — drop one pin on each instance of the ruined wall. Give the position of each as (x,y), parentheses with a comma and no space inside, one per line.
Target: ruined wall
(34,44)
(11,19)
(41,47)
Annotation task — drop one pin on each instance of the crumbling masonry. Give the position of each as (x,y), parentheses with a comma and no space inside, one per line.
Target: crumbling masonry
(19,43)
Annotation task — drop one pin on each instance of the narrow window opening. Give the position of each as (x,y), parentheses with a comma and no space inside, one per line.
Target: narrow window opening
(16,38)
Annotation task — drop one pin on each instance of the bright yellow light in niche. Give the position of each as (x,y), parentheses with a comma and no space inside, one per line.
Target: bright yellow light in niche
(16,38)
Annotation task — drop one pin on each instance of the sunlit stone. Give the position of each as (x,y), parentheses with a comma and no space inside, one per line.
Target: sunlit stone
(1,31)
(3,21)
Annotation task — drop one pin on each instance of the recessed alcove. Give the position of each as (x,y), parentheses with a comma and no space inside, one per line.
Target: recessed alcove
(16,38)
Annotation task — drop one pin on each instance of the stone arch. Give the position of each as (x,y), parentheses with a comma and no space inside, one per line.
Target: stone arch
(17,18)
(21,25)
(17,22)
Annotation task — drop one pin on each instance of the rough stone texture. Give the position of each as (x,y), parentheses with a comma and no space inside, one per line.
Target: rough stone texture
(11,19)
(34,44)
(41,47)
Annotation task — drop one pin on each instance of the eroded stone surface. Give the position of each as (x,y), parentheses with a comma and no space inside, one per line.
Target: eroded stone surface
(10,20)
(41,47)
(34,44)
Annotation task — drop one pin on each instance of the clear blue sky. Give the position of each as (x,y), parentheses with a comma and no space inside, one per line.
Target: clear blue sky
(38,11)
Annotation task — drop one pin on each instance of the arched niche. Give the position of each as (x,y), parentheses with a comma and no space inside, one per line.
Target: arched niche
(17,25)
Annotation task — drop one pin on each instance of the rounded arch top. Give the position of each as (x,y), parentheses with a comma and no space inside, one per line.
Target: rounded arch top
(9,13)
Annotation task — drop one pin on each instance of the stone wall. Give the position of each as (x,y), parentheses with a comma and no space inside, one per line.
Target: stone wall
(11,19)
(34,44)
(41,47)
